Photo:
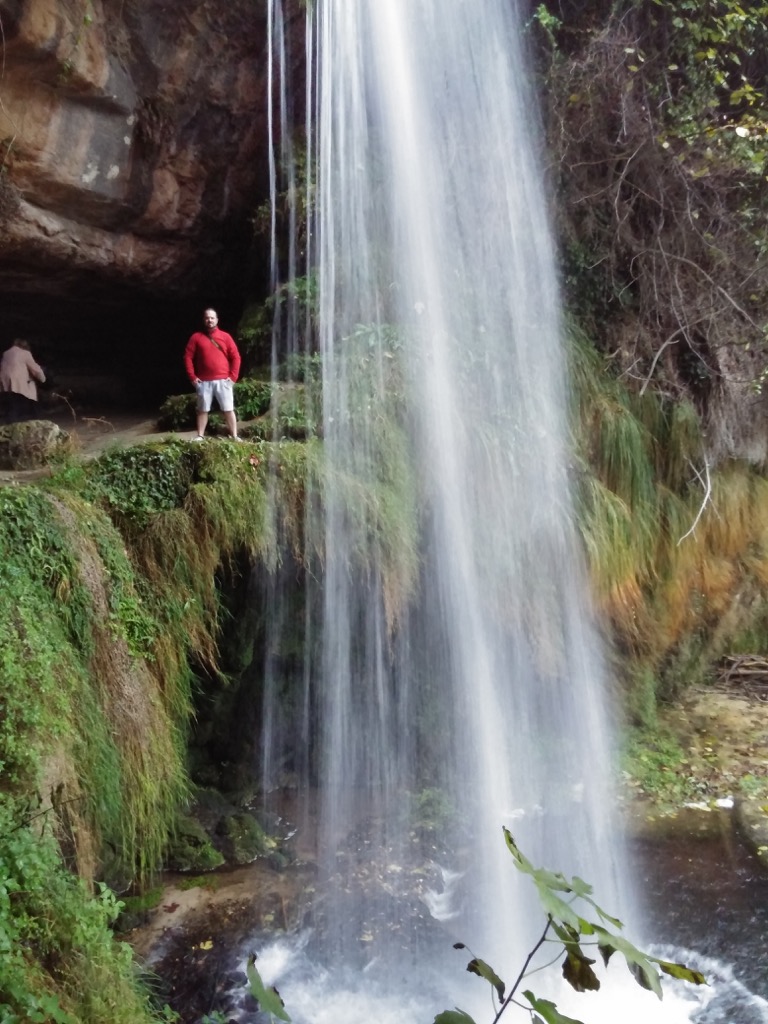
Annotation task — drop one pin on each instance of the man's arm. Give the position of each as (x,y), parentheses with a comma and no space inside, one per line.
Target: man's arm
(233,356)
(189,360)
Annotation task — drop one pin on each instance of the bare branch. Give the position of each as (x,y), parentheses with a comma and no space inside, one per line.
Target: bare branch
(726,295)
(705,502)
(671,340)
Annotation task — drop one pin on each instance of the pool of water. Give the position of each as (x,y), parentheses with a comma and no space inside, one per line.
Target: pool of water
(704,890)
(706,901)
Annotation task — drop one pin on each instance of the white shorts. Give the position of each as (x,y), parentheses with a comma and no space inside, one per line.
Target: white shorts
(221,390)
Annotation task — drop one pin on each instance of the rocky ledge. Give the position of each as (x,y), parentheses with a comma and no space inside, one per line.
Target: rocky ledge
(718,760)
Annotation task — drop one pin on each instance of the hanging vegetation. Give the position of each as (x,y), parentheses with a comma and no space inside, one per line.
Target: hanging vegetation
(109,574)
(658,129)
(676,544)
(113,572)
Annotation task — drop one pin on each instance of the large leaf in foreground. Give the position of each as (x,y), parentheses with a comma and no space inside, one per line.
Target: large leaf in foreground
(456,1016)
(577,970)
(550,883)
(548,1011)
(681,972)
(484,970)
(269,998)
(642,965)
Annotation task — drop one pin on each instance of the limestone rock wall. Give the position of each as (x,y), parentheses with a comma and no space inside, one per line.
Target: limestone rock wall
(133,148)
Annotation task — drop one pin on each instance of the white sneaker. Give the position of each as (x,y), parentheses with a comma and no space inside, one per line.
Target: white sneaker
(198,438)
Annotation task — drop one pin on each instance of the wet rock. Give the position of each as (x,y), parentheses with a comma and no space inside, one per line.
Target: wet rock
(199,936)
(191,848)
(243,839)
(236,833)
(752,820)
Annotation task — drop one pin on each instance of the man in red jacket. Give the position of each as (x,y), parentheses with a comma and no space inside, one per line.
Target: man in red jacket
(212,362)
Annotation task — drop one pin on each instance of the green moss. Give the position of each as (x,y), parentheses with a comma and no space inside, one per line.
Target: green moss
(72,691)
(191,848)
(211,882)
(656,765)
(60,960)
(148,900)
(32,444)
(293,414)
(140,481)
(111,572)
(244,839)
(753,787)
(432,812)
(675,547)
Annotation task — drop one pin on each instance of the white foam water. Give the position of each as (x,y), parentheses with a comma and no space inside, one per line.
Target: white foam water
(321,996)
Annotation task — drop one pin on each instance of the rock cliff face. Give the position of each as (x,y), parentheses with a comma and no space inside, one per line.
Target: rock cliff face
(134,151)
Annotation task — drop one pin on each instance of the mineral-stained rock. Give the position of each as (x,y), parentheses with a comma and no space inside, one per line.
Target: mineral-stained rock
(134,151)
(32,444)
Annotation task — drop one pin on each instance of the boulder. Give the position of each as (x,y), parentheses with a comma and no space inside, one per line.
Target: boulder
(32,444)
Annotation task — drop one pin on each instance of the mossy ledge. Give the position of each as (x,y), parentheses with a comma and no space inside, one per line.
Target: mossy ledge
(108,572)
(114,574)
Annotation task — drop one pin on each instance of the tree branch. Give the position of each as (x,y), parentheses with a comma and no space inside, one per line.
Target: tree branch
(524,969)
(705,502)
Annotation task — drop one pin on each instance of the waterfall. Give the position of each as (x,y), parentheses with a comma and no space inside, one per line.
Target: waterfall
(453,661)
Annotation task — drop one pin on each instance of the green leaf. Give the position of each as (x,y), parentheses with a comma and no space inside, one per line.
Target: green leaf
(645,978)
(562,911)
(549,1011)
(565,932)
(577,971)
(268,998)
(681,971)
(549,883)
(49,1005)
(551,879)
(606,952)
(607,917)
(581,888)
(483,970)
(456,1016)
(640,966)
(569,927)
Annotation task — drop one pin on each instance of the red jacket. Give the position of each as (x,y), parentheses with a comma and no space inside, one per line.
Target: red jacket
(204,360)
